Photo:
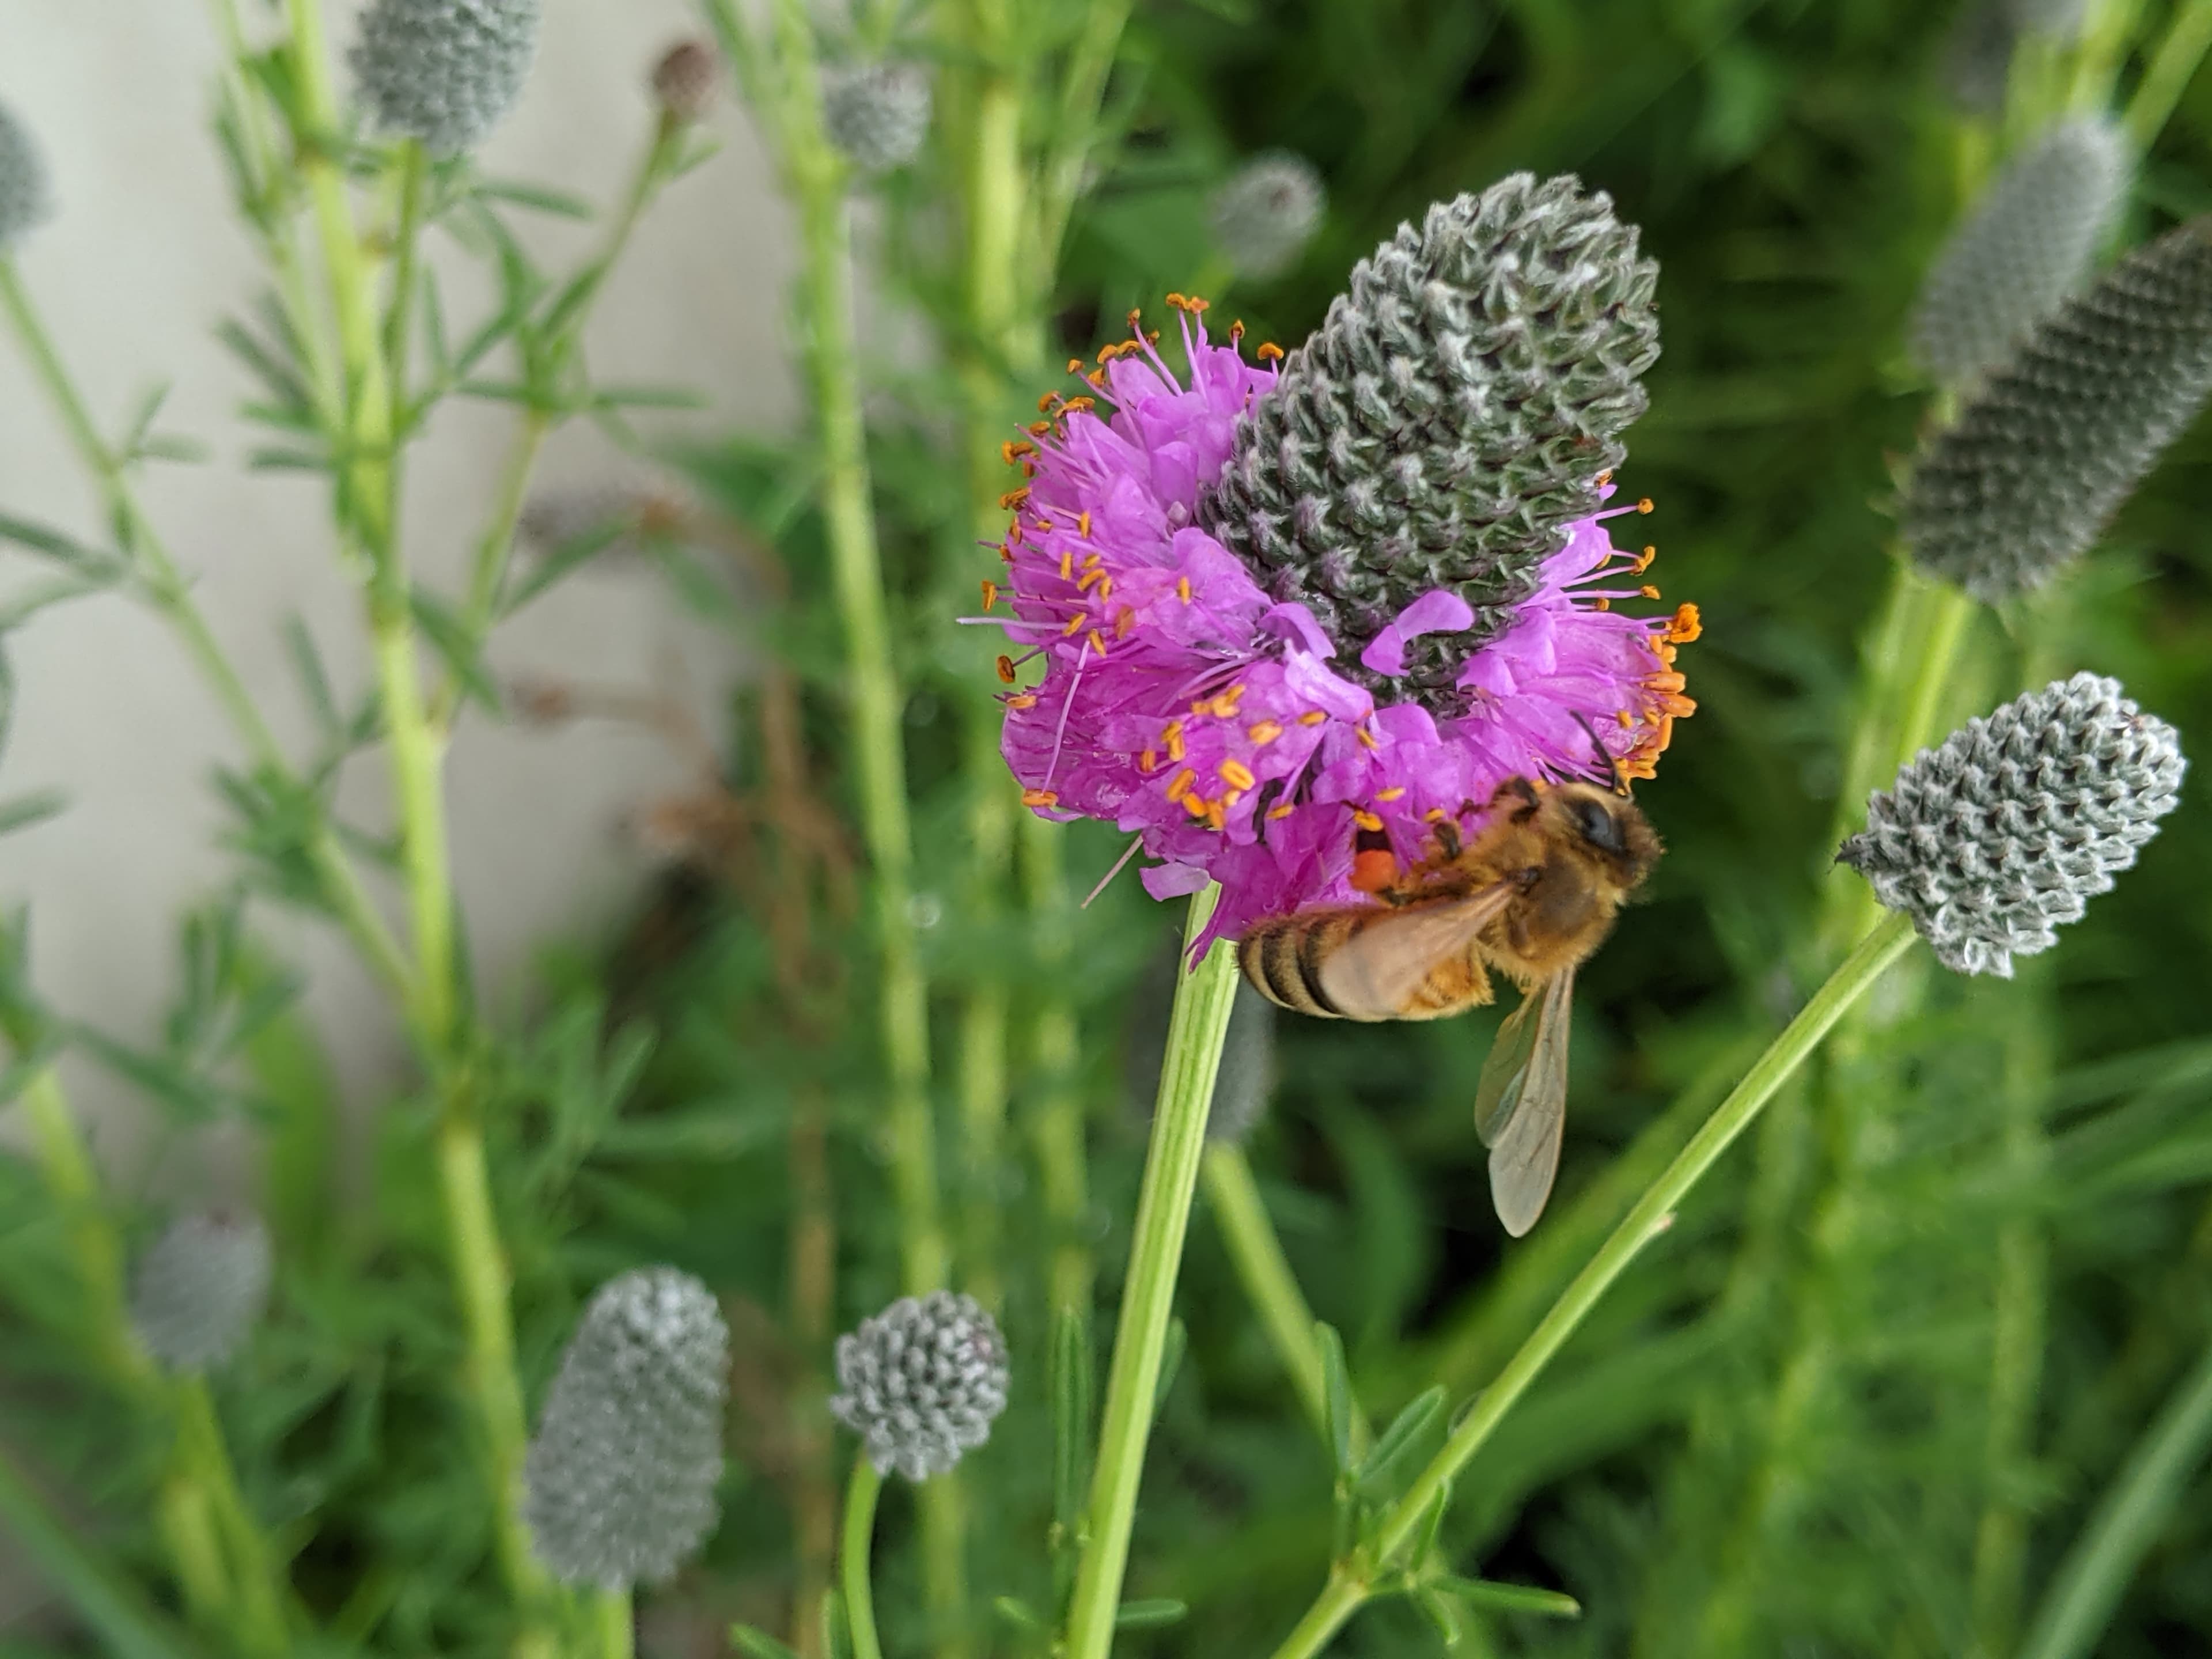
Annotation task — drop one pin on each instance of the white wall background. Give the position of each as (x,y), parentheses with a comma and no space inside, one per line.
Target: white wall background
(133,273)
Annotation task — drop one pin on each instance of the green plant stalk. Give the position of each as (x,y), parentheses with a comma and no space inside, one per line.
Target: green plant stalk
(860,1497)
(166,587)
(201,1448)
(2016,1335)
(614,1624)
(198,1508)
(1074,129)
(1352,1582)
(1056,1124)
(1264,1273)
(1204,997)
(874,698)
(2173,65)
(2102,46)
(108,1604)
(2127,1522)
(366,439)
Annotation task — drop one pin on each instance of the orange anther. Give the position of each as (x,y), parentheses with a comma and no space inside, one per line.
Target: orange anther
(1014,448)
(1313,717)
(1147,761)
(1091,578)
(1124,620)
(1391,793)
(1366,820)
(1098,641)
(1068,565)
(1181,781)
(1687,625)
(1264,733)
(1649,591)
(990,593)
(1366,738)
(1282,811)
(1269,351)
(1083,525)
(1007,670)
(1074,624)
(1039,798)
(1027,700)
(1644,505)
(1182,589)
(1600,603)
(1238,773)
(1073,364)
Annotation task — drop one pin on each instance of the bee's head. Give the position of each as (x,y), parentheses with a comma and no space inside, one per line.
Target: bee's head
(1608,829)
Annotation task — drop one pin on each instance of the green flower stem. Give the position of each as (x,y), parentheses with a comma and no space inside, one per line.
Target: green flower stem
(165,586)
(874,698)
(1264,1273)
(108,1603)
(2174,64)
(1074,129)
(1204,997)
(219,1554)
(1056,1125)
(365,450)
(2128,1522)
(614,1624)
(852,1557)
(1353,1582)
(206,1457)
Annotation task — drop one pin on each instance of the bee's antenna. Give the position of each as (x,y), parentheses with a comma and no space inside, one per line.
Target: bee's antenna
(1599,752)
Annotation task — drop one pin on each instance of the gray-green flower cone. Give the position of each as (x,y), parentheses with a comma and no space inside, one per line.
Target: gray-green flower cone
(23,200)
(199,1290)
(2028,245)
(444,72)
(2057,439)
(1992,841)
(1449,419)
(877,114)
(921,1382)
(619,1484)
(1267,212)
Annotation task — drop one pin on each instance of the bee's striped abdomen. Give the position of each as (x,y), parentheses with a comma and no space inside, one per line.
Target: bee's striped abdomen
(1282,959)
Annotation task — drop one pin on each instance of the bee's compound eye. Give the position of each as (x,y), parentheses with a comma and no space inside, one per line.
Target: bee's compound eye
(1599,827)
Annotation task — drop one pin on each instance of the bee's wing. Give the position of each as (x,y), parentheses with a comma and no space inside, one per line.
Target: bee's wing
(1521,1103)
(1373,974)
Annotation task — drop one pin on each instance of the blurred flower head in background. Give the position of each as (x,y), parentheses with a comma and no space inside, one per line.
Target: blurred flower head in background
(877,114)
(1267,212)
(197,1292)
(23,196)
(444,72)
(921,1382)
(1276,606)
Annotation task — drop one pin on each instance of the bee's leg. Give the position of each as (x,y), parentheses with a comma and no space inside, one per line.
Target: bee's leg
(1456,984)
(1512,791)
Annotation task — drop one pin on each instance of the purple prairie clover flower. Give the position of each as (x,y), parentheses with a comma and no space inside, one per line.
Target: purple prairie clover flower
(1227,728)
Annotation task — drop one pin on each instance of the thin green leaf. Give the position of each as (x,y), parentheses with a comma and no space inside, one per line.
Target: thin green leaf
(109,1603)
(571,556)
(1071,1382)
(286,460)
(1336,1395)
(173,447)
(1020,1615)
(1510,1598)
(537,199)
(1402,1445)
(757,1644)
(280,379)
(19,608)
(26,809)
(1178,1343)
(451,640)
(1150,1615)
(90,563)
(649,396)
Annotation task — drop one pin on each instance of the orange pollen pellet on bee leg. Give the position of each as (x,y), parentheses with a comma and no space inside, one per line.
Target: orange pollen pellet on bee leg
(1039,798)
(1373,871)
(1237,774)
(1007,670)
(1391,793)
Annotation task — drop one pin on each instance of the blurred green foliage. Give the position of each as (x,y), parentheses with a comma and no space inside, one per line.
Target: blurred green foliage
(1776,1437)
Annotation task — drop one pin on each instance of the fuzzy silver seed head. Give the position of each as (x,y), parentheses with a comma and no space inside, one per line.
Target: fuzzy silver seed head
(23,197)
(921,1382)
(1993,839)
(2027,246)
(197,1292)
(2057,438)
(1267,212)
(1246,1081)
(877,114)
(619,1484)
(444,72)
(1446,423)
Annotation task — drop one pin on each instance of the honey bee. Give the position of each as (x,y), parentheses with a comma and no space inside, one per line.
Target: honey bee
(1531,895)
